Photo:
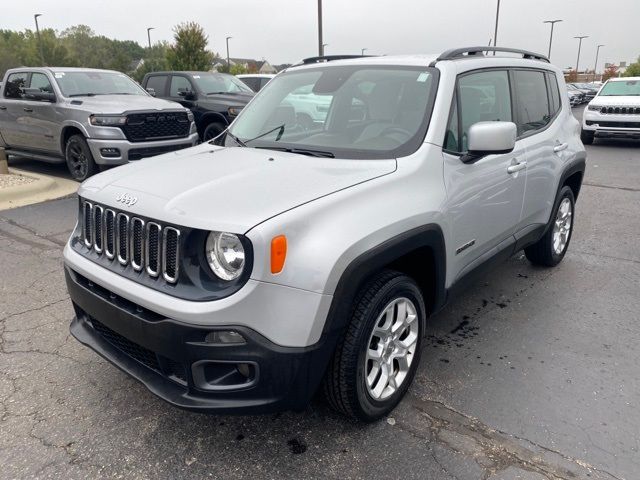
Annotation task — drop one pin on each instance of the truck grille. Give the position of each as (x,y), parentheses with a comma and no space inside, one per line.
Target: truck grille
(620,110)
(143,245)
(142,127)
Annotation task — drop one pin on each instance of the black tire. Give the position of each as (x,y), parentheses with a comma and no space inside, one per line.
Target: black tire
(543,252)
(80,161)
(212,130)
(587,137)
(345,381)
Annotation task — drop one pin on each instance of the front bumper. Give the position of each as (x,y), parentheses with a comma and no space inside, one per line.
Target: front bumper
(128,151)
(611,125)
(174,362)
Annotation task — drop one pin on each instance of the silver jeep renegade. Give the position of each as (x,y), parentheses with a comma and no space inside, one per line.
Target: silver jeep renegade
(286,256)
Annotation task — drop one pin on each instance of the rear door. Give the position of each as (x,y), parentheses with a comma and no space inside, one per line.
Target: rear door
(13,122)
(540,131)
(484,198)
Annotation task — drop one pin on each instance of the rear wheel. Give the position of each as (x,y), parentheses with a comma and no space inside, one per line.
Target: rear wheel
(374,364)
(551,248)
(79,158)
(587,137)
(212,130)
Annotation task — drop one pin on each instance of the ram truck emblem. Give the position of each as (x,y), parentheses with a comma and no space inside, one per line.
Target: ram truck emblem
(127,199)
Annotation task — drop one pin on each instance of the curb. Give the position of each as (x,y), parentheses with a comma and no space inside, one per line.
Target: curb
(45,187)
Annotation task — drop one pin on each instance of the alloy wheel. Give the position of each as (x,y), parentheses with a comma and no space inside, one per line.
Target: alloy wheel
(562,226)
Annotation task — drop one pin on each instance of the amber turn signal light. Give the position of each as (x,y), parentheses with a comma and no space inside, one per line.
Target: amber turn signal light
(278,253)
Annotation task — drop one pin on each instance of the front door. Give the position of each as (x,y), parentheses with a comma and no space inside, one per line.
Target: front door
(484,198)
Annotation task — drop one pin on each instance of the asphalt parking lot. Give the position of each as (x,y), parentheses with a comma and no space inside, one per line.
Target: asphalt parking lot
(532,374)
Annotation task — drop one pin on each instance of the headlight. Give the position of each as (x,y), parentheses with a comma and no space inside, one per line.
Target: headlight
(234,111)
(190,115)
(225,254)
(107,120)
(593,107)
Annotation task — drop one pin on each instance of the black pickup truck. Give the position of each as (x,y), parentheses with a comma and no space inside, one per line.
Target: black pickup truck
(214,98)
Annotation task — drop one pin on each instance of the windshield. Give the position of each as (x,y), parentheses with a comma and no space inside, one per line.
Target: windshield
(621,88)
(76,84)
(342,111)
(219,83)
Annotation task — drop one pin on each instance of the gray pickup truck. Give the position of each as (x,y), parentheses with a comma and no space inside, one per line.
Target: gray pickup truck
(87,118)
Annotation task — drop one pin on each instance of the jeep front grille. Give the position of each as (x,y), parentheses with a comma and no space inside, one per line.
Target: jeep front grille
(618,110)
(143,245)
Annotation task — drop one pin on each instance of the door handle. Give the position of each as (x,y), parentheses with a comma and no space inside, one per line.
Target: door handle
(560,147)
(2,107)
(29,110)
(516,167)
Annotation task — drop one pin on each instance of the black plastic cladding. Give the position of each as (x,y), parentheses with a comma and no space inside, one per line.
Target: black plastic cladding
(196,281)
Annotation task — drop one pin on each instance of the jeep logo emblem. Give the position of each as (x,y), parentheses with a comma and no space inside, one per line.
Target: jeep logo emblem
(127,199)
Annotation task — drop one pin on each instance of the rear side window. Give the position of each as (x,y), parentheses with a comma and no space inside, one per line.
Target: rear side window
(252,82)
(554,93)
(483,97)
(15,84)
(158,83)
(532,103)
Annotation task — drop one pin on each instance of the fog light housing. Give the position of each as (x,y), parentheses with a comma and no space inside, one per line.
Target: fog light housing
(225,337)
(110,152)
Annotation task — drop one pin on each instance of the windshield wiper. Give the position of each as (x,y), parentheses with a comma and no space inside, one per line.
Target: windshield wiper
(217,93)
(236,139)
(84,94)
(303,151)
(280,129)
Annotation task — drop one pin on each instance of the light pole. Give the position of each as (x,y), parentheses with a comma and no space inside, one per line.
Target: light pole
(228,63)
(35,17)
(595,67)
(320,44)
(552,22)
(149,35)
(362,51)
(579,47)
(495,33)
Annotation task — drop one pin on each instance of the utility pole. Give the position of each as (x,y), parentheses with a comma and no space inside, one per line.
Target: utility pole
(320,44)
(495,33)
(228,63)
(149,36)
(579,47)
(595,67)
(362,51)
(35,17)
(552,22)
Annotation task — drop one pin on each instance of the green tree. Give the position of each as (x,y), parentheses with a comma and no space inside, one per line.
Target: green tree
(633,70)
(190,49)
(237,69)
(155,59)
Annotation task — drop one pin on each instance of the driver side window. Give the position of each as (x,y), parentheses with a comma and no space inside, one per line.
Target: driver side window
(484,97)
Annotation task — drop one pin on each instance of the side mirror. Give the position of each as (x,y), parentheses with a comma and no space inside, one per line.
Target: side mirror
(187,94)
(151,91)
(489,138)
(38,95)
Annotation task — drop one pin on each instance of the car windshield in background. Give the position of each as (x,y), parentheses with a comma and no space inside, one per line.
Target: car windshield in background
(77,84)
(340,111)
(621,88)
(210,83)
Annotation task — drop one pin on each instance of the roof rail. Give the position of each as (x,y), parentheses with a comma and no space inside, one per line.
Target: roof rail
(479,51)
(329,58)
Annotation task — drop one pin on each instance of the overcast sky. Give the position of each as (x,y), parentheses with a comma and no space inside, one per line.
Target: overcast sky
(284,31)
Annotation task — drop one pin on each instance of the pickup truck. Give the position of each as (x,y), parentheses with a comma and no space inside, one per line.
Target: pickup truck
(87,118)
(214,98)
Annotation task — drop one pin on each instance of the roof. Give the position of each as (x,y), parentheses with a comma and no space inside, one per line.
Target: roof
(187,72)
(256,75)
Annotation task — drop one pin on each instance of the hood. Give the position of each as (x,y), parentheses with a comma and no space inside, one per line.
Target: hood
(624,101)
(240,98)
(115,104)
(227,189)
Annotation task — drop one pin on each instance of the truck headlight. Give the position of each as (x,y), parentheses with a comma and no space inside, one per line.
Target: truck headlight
(593,107)
(190,115)
(234,111)
(107,120)
(225,255)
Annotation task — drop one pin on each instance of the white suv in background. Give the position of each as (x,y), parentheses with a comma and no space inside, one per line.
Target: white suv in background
(244,274)
(614,112)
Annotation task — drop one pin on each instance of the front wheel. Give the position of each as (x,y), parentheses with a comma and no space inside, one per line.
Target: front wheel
(212,130)
(551,248)
(79,158)
(587,137)
(376,360)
